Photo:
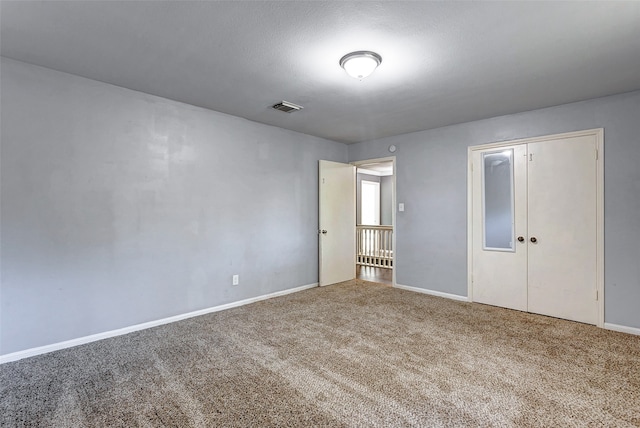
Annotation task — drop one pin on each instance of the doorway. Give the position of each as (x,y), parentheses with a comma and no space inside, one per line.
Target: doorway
(375,219)
(536,225)
(338,250)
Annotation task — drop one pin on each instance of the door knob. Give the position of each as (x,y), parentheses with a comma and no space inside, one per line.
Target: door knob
(534,239)
(520,238)
(324,232)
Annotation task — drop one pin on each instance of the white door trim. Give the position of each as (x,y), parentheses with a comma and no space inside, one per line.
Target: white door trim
(598,133)
(393,212)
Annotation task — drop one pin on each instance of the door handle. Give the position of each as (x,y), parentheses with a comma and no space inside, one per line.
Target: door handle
(520,238)
(324,232)
(534,239)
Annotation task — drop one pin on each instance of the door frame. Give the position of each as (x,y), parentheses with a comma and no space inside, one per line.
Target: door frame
(598,133)
(391,159)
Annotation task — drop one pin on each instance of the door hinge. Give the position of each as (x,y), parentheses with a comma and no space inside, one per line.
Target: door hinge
(596,154)
(596,295)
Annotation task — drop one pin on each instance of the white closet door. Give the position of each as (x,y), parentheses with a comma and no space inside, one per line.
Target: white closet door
(562,228)
(499,207)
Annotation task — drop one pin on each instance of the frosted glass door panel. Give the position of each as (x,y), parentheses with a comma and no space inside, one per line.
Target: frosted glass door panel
(500,275)
(497,189)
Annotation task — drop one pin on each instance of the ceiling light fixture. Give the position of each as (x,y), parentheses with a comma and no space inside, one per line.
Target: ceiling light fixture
(360,64)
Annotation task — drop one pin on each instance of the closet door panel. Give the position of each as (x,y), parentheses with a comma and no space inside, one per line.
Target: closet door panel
(499,218)
(562,228)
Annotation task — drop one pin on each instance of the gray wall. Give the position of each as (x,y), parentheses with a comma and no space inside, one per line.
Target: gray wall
(432,182)
(120,207)
(386,200)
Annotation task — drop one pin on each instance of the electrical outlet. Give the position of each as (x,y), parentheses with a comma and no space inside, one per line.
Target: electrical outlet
(236,279)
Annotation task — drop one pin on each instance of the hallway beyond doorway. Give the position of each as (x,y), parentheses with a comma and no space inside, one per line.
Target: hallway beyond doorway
(374,274)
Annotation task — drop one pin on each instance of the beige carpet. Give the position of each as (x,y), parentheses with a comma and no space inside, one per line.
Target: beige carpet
(353,354)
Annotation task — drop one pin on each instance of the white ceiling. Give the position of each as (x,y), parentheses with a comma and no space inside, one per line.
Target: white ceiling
(443,62)
(380,169)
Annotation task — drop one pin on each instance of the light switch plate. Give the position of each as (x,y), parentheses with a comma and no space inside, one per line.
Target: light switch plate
(401,206)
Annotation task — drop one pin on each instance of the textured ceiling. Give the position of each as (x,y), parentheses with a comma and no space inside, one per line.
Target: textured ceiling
(443,62)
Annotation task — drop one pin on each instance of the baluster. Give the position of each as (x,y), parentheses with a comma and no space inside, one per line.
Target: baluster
(376,234)
(374,246)
(390,245)
(357,246)
(366,245)
(381,248)
(377,247)
(360,245)
(384,247)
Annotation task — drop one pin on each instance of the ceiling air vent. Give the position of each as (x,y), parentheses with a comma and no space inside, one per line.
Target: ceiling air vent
(286,106)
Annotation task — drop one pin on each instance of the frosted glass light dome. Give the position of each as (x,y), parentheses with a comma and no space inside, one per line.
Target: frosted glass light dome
(360,64)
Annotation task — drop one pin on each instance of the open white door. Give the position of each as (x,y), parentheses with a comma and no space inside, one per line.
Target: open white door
(337,222)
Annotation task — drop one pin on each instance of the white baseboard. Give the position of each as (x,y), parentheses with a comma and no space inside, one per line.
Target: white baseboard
(15,356)
(433,293)
(622,328)
(607,326)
